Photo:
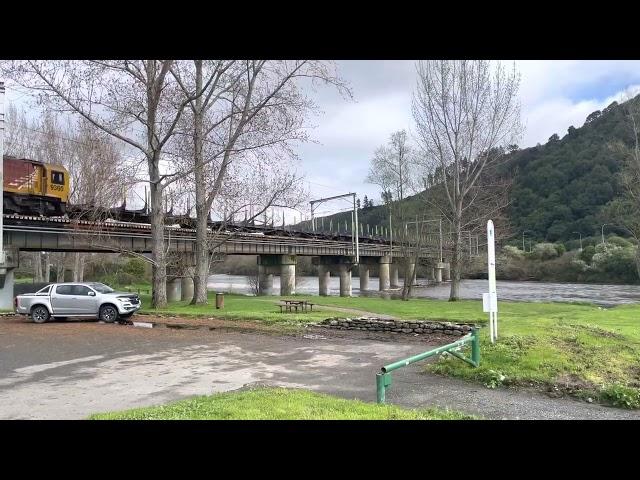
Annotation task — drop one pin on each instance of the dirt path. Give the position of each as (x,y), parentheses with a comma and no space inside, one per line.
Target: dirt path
(73,369)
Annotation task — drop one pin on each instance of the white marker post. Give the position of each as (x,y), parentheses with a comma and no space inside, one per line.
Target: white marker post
(490,300)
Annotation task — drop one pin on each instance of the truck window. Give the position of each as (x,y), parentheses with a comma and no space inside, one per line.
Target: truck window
(64,290)
(80,290)
(57,178)
(44,291)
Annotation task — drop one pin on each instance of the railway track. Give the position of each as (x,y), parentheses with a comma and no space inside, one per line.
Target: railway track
(237,234)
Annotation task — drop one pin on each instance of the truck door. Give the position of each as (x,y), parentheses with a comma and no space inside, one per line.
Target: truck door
(63,300)
(86,302)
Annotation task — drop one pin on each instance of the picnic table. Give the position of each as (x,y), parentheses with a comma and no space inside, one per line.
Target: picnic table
(289,305)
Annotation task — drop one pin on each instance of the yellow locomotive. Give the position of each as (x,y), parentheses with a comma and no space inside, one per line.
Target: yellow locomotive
(35,188)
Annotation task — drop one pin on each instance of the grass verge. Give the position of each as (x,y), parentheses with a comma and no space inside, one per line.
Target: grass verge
(278,404)
(241,307)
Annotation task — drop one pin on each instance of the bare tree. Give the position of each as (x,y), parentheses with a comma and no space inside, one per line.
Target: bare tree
(392,165)
(244,113)
(466,113)
(625,211)
(136,102)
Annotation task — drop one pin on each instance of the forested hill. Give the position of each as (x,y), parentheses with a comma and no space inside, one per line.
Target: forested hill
(558,188)
(561,187)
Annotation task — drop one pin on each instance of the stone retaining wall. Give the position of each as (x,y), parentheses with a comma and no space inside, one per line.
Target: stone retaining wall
(396,326)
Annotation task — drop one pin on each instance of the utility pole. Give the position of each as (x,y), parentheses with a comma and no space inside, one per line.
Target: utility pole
(602,231)
(580,239)
(354,220)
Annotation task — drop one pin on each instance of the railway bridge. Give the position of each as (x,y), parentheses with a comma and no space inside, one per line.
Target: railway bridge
(276,250)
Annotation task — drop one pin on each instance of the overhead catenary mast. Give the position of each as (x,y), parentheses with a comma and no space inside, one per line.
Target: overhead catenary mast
(355,235)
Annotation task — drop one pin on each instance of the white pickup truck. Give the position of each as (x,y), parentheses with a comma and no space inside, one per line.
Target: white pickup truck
(62,300)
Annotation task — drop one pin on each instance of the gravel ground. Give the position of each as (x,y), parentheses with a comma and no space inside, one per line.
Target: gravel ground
(68,370)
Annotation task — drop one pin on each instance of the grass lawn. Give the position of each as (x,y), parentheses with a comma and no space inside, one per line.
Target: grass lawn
(278,404)
(241,307)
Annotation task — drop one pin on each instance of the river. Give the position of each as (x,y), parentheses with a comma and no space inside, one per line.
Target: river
(604,295)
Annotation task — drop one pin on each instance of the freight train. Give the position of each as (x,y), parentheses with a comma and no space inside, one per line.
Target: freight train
(34,188)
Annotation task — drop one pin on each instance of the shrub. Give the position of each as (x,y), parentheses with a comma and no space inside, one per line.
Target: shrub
(510,251)
(587,253)
(544,251)
(619,241)
(135,267)
(621,396)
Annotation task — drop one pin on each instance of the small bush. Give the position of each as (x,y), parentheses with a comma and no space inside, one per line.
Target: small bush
(587,253)
(135,267)
(544,251)
(621,396)
(493,379)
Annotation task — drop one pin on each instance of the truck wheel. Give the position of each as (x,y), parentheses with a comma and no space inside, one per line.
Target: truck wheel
(108,313)
(40,314)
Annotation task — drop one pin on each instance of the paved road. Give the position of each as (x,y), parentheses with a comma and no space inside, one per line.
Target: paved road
(70,370)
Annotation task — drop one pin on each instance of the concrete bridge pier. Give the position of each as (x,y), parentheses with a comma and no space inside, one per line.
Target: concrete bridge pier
(383,274)
(340,265)
(174,287)
(437,272)
(394,282)
(265,281)
(285,265)
(324,274)
(345,280)
(6,277)
(363,272)
(186,288)
(287,275)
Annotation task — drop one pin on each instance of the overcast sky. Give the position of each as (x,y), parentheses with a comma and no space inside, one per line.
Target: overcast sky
(554,95)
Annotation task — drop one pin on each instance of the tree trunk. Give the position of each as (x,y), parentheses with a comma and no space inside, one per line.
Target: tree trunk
(37,267)
(456,260)
(202,211)
(159,298)
(60,267)
(47,267)
(407,284)
(78,267)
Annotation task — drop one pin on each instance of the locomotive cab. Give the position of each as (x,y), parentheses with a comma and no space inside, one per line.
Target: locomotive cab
(35,188)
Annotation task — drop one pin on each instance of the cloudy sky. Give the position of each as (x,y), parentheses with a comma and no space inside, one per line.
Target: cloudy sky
(554,95)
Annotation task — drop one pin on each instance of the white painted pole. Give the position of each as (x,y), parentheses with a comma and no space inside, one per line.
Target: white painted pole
(355,212)
(491,261)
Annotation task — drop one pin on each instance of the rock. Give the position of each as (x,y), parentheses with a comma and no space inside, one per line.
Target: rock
(406,330)
(333,322)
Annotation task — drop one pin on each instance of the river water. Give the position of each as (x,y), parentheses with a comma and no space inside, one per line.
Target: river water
(605,295)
